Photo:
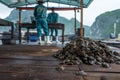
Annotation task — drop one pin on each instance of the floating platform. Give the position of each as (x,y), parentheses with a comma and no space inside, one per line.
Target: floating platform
(25,62)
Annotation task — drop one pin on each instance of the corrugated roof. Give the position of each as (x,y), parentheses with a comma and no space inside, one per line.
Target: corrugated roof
(18,3)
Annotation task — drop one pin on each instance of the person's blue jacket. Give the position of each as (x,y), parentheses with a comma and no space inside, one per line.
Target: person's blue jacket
(40,11)
(40,15)
(52,18)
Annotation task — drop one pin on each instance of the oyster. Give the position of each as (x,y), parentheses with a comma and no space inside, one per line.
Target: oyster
(87,51)
(106,65)
(60,68)
(81,73)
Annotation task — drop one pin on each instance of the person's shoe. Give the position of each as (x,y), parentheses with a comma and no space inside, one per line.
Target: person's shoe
(51,38)
(57,42)
(39,42)
(48,42)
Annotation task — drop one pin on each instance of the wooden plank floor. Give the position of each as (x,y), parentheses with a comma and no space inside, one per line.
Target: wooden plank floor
(22,62)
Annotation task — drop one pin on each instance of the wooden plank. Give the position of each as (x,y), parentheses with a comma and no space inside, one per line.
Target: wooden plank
(38,76)
(27,68)
(103,76)
(97,68)
(34,58)
(13,76)
(25,50)
(29,63)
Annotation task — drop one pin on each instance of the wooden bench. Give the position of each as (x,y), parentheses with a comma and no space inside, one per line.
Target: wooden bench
(50,25)
(7,23)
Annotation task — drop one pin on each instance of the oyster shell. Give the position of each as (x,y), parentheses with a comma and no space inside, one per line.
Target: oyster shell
(88,51)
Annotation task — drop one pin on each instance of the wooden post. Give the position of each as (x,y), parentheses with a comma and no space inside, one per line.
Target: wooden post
(81,19)
(12,31)
(28,33)
(19,26)
(75,20)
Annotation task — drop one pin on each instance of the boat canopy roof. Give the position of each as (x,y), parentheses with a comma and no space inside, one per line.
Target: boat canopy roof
(18,3)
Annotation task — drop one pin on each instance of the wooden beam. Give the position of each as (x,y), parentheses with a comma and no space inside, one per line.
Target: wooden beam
(19,26)
(75,20)
(49,8)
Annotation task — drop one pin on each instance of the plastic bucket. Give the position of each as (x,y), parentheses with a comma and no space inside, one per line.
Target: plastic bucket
(33,38)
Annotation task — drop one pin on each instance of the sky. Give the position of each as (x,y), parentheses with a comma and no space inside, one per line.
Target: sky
(96,8)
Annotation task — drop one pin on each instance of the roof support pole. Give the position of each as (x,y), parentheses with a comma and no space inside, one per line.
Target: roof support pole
(81,19)
(19,25)
(75,20)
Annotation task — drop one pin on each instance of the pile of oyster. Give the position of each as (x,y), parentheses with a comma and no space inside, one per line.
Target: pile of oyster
(88,51)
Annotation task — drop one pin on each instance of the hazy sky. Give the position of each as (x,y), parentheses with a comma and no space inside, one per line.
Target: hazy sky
(96,8)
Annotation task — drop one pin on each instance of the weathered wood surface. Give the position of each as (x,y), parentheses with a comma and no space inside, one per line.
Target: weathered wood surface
(22,62)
